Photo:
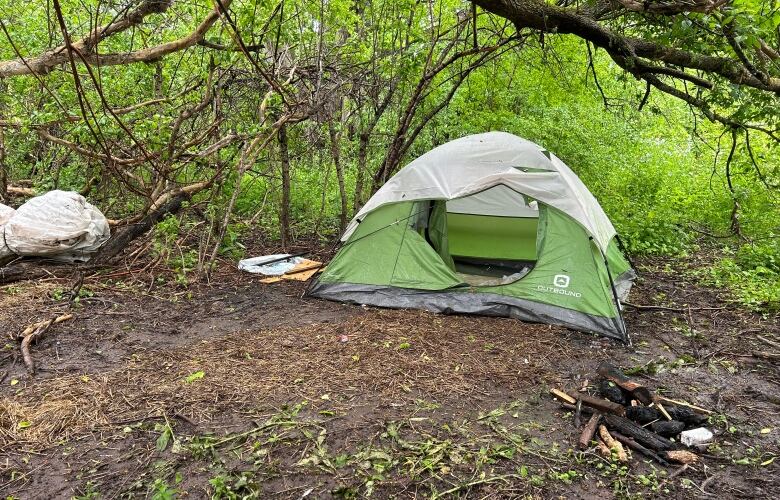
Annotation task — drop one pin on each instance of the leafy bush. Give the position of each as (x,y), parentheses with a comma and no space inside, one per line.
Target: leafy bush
(752,275)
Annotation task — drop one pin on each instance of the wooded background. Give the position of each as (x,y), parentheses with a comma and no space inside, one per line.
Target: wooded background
(217,121)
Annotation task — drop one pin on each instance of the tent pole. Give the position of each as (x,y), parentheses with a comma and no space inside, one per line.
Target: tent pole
(625,252)
(615,295)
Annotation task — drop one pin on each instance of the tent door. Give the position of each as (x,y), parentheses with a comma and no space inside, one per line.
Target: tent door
(488,238)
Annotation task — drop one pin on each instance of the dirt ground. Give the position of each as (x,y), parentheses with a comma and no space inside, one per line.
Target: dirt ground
(234,389)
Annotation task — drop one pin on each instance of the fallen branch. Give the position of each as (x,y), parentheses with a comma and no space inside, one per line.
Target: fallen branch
(599,404)
(641,307)
(34,333)
(20,191)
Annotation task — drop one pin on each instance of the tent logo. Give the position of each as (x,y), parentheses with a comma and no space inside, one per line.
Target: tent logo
(560,284)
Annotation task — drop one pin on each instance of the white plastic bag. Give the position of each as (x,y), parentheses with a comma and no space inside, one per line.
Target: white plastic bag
(276,268)
(58,224)
(5,215)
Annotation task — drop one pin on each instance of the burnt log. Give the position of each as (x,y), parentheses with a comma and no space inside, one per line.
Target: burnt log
(612,392)
(642,414)
(639,434)
(687,416)
(639,448)
(667,428)
(613,374)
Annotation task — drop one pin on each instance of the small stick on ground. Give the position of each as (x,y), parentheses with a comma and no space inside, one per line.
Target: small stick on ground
(774,344)
(641,307)
(663,411)
(766,355)
(33,333)
(577,414)
(695,408)
(562,396)
(673,475)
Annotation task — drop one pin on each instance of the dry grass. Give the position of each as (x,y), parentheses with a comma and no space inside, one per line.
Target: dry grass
(389,354)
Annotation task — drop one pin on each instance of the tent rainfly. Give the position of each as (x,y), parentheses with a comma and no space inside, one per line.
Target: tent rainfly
(488,224)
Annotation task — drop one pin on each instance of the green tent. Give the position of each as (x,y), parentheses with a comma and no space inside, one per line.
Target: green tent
(488,224)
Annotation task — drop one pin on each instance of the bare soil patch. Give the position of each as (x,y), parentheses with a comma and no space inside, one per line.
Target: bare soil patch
(235,389)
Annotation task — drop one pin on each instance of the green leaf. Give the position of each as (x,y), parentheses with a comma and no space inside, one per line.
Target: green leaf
(164,439)
(194,376)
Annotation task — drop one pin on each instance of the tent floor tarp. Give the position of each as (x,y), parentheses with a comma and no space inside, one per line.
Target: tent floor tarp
(464,302)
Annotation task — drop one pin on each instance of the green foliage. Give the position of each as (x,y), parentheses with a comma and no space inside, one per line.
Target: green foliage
(752,276)
(659,173)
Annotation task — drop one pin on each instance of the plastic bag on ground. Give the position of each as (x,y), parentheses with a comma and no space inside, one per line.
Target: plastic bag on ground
(5,215)
(255,264)
(60,225)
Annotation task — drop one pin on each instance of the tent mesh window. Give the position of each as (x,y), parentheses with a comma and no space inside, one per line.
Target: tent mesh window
(488,238)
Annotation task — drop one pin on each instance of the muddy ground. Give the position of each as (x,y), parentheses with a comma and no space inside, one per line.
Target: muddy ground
(234,389)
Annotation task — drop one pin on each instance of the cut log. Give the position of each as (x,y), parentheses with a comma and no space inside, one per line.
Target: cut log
(589,431)
(600,404)
(682,456)
(603,449)
(563,396)
(613,374)
(639,448)
(640,434)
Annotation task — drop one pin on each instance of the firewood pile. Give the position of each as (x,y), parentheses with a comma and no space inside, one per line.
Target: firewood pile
(628,416)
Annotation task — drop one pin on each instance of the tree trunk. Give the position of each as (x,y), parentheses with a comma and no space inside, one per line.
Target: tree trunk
(284,212)
(360,176)
(122,238)
(3,167)
(336,153)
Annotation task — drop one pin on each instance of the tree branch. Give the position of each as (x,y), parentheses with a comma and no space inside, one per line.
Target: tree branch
(87,47)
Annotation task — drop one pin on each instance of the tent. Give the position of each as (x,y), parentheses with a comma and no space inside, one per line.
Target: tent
(487,224)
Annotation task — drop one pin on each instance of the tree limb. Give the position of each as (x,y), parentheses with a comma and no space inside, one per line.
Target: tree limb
(87,47)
